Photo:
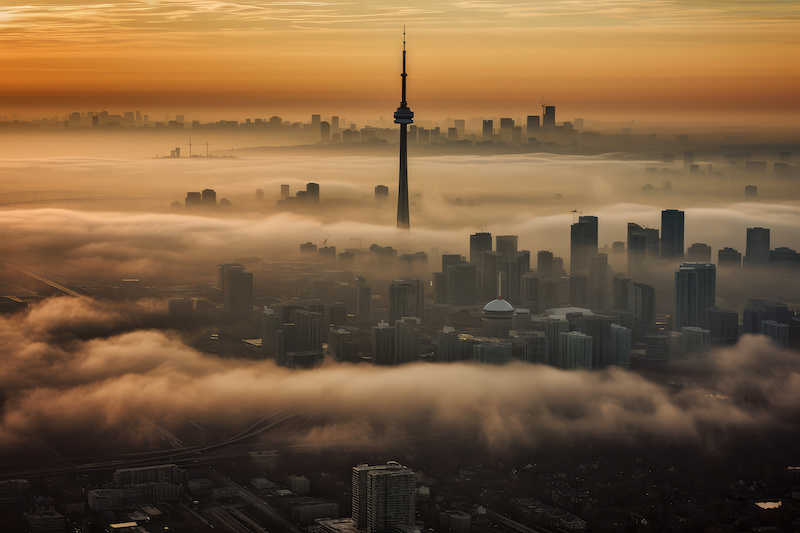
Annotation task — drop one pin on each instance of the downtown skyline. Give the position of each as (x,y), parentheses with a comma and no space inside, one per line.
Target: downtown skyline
(710,61)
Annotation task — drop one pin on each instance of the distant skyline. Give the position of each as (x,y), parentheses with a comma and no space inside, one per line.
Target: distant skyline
(708,60)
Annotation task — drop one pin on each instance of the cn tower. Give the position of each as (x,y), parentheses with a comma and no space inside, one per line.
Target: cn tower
(403,116)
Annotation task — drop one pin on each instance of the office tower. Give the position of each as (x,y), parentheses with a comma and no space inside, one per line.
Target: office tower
(342,346)
(574,350)
(312,193)
(549,119)
(509,276)
(620,341)
(309,329)
(490,271)
(403,116)
(405,299)
(460,125)
(492,352)
(724,326)
(237,287)
(642,243)
(698,253)
(622,294)
(209,198)
(406,340)
(270,324)
(544,264)
(583,243)
(672,234)
(315,122)
(757,250)
(381,192)
(383,497)
(688,158)
(334,124)
(479,243)
(644,307)
(729,257)
(193,199)
(308,248)
(532,125)
(324,132)
(695,294)
(695,341)
(488,130)
(506,245)
(383,344)
(285,192)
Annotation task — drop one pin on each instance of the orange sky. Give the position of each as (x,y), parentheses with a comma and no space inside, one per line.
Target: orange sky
(209,58)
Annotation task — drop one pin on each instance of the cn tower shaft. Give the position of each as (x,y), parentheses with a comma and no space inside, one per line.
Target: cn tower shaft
(403,116)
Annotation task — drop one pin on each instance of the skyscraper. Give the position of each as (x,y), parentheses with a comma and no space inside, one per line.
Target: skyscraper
(695,294)
(405,299)
(479,243)
(403,116)
(672,234)
(642,243)
(383,496)
(757,250)
(237,287)
(583,243)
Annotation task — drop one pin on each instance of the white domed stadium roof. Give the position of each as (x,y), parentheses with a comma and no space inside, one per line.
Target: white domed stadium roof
(498,305)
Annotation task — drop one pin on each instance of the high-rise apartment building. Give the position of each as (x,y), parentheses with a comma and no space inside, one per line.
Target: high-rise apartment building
(405,299)
(479,243)
(383,497)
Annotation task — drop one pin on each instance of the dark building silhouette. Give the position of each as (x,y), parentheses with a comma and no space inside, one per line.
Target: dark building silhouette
(479,243)
(209,198)
(193,199)
(757,250)
(695,294)
(312,192)
(403,116)
(488,130)
(583,243)
(672,222)
(507,245)
(533,124)
(549,119)
(729,257)
(381,192)
(544,264)
(698,252)
(237,287)
(642,243)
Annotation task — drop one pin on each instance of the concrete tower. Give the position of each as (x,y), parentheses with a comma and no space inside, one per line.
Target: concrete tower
(403,116)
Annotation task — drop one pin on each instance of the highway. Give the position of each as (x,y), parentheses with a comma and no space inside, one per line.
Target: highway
(179,456)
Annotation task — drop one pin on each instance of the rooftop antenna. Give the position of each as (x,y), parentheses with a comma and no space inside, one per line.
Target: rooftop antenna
(190,147)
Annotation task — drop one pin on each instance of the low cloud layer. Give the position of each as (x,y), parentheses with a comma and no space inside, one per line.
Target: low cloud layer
(56,387)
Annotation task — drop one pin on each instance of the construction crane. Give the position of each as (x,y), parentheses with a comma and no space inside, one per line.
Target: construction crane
(190,146)
(325,241)
(212,144)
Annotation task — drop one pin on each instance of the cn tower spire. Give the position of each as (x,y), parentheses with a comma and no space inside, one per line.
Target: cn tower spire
(403,116)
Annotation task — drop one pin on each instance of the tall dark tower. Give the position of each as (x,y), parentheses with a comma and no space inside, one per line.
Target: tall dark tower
(403,116)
